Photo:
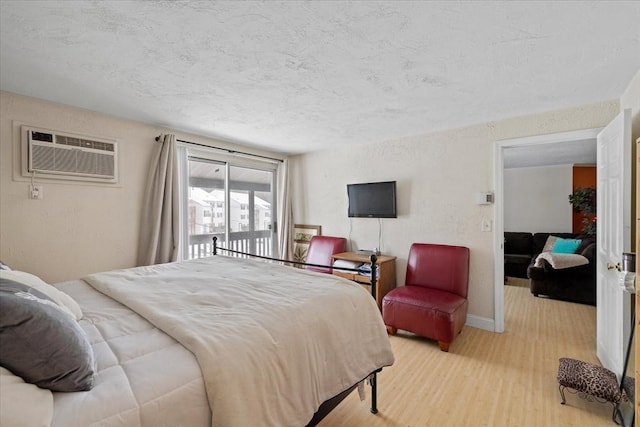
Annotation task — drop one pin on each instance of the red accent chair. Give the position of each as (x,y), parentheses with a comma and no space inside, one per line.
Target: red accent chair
(433,303)
(320,250)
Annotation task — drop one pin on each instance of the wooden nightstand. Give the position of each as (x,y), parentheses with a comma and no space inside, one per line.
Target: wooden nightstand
(386,272)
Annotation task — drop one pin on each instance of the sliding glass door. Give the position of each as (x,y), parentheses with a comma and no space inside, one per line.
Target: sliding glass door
(230,200)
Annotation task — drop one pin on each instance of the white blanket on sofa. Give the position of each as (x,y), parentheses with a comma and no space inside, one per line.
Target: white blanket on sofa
(560,261)
(272,342)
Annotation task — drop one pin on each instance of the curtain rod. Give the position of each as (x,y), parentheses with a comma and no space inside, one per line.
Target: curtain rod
(225,149)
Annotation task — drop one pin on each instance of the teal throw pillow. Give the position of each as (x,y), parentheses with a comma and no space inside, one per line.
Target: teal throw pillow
(565,246)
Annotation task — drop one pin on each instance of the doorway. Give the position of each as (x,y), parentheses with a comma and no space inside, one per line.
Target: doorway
(527,148)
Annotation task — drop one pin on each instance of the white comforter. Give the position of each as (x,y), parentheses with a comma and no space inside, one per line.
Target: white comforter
(144,377)
(272,342)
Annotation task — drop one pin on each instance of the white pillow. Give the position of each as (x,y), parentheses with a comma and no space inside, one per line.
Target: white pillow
(23,404)
(62,299)
(551,240)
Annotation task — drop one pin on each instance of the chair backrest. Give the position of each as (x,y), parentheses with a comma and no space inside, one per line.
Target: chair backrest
(320,250)
(441,267)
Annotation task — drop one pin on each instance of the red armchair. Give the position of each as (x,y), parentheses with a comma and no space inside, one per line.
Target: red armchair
(433,303)
(320,250)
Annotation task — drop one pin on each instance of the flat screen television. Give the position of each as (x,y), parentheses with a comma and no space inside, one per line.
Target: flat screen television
(372,200)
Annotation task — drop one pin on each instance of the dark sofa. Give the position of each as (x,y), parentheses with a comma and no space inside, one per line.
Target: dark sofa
(518,250)
(521,248)
(575,284)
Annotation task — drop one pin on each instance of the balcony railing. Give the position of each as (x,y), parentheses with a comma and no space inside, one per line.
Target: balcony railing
(255,242)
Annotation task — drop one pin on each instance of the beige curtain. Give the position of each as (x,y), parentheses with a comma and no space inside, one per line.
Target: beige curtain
(160,226)
(285,213)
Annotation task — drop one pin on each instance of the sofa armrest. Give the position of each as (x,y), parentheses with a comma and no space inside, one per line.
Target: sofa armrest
(536,273)
(589,252)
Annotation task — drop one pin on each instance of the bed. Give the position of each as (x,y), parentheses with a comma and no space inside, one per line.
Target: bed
(218,341)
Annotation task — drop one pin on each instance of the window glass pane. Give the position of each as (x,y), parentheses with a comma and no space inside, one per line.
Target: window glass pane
(206,213)
(250,218)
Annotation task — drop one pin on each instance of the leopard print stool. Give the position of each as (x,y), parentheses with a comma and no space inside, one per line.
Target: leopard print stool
(588,379)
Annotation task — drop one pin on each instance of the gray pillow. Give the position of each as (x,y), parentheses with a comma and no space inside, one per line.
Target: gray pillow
(41,343)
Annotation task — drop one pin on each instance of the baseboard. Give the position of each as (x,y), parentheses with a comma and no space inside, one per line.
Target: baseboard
(480,322)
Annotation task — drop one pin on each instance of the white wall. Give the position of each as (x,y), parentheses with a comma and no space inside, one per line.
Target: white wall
(437,177)
(78,228)
(536,199)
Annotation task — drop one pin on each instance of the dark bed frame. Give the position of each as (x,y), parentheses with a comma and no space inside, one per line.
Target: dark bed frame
(328,405)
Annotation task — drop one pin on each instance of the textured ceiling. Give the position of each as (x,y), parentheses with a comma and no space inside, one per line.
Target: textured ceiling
(582,152)
(296,76)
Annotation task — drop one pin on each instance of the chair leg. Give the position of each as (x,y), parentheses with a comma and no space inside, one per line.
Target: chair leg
(444,346)
(391,330)
(561,389)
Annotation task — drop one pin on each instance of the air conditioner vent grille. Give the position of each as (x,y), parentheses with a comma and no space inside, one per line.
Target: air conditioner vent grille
(54,153)
(42,157)
(84,143)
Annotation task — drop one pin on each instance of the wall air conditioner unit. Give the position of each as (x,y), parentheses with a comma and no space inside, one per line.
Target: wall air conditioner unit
(72,156)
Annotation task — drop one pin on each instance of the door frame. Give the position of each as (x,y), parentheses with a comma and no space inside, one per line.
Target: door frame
(498,239)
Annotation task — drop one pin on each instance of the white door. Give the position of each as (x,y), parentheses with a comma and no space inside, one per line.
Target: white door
(613,238)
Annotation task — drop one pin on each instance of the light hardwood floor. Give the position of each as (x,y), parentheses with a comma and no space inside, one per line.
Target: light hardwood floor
(487,379)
